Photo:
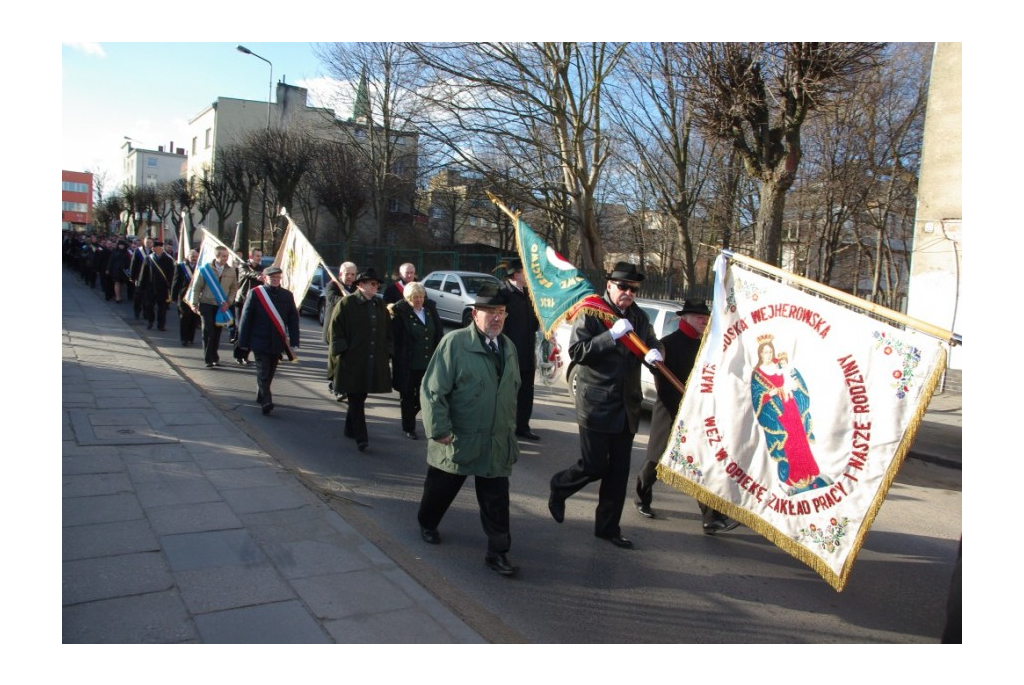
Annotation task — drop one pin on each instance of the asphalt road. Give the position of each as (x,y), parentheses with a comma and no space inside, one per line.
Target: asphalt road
(677,586)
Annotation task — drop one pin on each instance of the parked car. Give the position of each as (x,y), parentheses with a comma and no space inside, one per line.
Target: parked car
(455,291)
(662,314)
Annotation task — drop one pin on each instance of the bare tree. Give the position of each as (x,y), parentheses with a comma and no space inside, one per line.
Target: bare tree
(284,155)
(237,177)
(757,96)
(338,181)
(654,115)
(537,104)
(378,78)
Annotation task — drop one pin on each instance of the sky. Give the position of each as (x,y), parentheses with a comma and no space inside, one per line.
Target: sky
(149,91)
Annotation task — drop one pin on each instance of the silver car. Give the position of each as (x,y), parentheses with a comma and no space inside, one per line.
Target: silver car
(664,319)
(455,291)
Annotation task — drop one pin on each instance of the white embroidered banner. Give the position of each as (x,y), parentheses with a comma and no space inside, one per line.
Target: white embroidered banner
(797,416)
(298,260)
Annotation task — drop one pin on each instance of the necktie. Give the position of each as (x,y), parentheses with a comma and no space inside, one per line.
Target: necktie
(493,344)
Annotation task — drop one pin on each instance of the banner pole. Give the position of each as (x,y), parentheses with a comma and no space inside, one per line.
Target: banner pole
(942,334)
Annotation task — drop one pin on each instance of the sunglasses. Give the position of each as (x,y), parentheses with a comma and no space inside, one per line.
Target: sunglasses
(626,286)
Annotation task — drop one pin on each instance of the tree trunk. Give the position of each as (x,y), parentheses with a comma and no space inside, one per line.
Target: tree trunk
(768,232)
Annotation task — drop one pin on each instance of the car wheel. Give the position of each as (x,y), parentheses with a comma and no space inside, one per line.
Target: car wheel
(467,317)
(322,311)
(571,382)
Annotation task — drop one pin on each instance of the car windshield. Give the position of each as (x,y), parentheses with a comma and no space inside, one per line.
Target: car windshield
(474,283)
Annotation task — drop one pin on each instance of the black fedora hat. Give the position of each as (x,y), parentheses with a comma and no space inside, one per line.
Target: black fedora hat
(624,271)
(490,295)
(368,274)
(694,306)
(513,266)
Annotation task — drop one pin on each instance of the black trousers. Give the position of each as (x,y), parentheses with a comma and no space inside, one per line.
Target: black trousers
(211,332)
(155,308)
(605,457)
(439,491)
(645,482)
(661,430)
(524,400)
(266,365)
(188,323)
(355,418)
(138,301)
(411,399)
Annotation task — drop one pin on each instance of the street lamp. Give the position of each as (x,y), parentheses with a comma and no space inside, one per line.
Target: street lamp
(270,90)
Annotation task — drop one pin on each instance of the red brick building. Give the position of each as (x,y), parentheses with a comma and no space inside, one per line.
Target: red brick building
(76,200)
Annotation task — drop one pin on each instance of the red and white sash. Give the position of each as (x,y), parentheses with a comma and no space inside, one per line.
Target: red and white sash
(261,293)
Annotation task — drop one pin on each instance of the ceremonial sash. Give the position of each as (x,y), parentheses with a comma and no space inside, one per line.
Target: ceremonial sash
(275,317)
(223,317)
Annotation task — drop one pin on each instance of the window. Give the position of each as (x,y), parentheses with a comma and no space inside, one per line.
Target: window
(209,137)
(74,207)
(452,286)
(392,205)
(195,145)
(437,213)
(151,161)
(472,221)
(72,187)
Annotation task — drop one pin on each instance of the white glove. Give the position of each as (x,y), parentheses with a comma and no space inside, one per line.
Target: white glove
(621,328)
(653,355)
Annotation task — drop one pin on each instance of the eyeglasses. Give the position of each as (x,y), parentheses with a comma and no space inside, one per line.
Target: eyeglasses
(626,286)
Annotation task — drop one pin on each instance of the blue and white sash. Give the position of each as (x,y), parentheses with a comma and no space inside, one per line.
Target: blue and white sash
(224,317)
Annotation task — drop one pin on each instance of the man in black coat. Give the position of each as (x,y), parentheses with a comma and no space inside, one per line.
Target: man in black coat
(140,261)
(155,283)
(681,347)
(188,320)
(608,398)
(396,291)
(268,317)
(522,326)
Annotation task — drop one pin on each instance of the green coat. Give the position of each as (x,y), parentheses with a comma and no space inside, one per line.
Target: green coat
(361,345)
(462,396)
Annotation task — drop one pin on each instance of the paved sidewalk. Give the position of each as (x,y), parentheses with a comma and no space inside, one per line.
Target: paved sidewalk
(178,528)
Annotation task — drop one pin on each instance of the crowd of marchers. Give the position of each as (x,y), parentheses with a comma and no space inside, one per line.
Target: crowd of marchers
(472,388)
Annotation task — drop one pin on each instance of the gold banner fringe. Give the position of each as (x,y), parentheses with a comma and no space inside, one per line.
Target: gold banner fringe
(784,541)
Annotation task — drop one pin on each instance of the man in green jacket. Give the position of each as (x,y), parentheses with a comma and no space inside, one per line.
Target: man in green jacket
(468,395)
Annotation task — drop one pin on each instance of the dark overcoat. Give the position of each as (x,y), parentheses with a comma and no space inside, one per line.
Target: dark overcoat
(608,393)
(361,345)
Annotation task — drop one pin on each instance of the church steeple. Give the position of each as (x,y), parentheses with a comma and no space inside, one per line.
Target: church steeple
(361,108)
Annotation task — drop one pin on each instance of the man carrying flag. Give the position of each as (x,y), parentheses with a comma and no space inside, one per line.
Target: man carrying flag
(213,291)
(608,399)
(269,326)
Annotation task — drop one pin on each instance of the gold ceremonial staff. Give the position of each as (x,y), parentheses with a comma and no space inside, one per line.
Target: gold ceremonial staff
(947,336)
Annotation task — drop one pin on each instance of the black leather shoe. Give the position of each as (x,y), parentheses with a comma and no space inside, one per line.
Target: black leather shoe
(620,541)
(720,526)
(430,536)
(556,506)
(412,435)
(500,563)
(268,407)
(645,510)
(528,434)
(362,446)
(209,365)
